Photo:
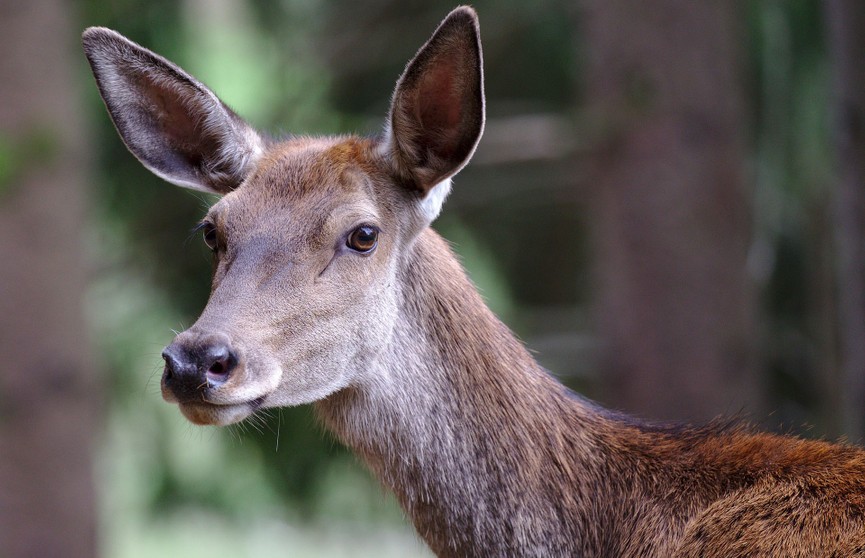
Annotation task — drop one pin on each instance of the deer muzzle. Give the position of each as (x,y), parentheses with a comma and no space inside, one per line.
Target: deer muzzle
(197,366)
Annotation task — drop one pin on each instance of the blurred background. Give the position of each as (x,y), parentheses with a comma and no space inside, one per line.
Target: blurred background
(668,206)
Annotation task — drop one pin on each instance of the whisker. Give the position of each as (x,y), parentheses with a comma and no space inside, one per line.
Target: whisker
(234,431)
(150,377)
(278,426)
(256,421)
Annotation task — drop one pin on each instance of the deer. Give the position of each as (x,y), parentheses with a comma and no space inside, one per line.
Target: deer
(330,288)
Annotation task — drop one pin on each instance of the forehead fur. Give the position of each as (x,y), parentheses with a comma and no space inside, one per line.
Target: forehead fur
(293,169)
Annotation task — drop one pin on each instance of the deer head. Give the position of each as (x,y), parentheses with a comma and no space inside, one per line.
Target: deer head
(310,233)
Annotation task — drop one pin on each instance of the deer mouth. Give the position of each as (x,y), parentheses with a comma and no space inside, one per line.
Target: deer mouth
(219,414)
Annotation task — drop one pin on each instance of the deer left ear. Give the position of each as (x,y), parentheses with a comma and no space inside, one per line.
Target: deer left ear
(437,111)
(171,122)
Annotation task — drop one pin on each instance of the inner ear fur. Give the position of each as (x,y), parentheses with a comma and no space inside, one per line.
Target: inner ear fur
(437,110)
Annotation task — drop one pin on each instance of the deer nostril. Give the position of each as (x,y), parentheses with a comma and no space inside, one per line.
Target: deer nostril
(172,364)
(222,361)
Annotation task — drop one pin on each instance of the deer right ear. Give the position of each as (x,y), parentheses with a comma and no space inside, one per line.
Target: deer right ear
(437,111)
(172,123)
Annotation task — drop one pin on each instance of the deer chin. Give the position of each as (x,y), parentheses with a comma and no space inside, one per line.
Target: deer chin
(222,414)
(204,413)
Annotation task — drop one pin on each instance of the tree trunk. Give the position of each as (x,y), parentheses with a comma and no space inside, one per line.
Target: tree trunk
(846,30)
(670,206)
(47,395)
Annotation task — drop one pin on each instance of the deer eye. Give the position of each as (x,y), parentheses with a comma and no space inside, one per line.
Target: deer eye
(363,239)
(210,236)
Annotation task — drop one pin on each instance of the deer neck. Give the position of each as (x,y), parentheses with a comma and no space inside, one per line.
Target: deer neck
(461,423)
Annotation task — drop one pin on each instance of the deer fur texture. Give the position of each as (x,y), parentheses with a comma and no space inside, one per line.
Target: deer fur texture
(486,452)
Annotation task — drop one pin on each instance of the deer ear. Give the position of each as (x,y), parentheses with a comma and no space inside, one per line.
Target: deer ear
(437,111)
(171,122)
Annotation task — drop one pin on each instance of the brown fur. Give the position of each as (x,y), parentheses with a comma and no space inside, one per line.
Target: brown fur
(486,452)
(543,472)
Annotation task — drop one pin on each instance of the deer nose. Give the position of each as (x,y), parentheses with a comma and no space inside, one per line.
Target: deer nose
(189,370)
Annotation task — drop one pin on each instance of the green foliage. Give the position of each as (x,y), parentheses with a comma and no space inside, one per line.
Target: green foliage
(38,146)
(793,178)
(7,165)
